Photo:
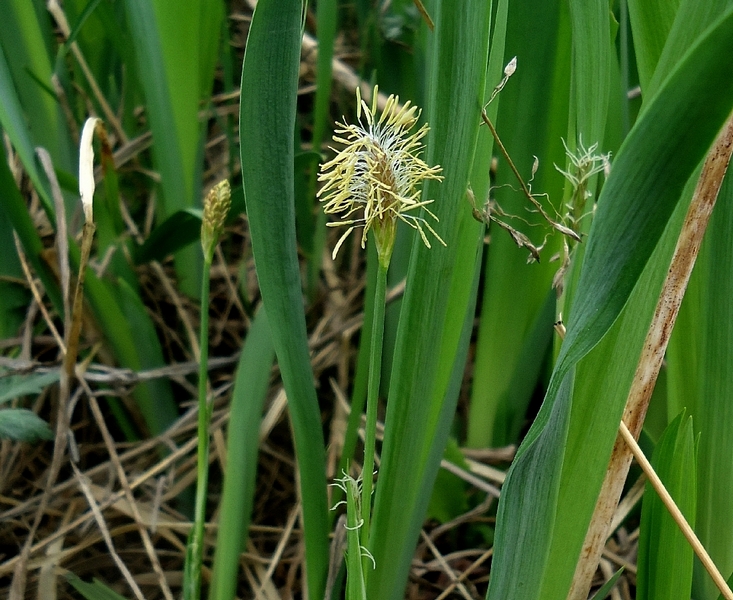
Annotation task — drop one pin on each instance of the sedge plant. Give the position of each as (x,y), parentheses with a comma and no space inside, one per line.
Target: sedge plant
(216,208)
(373,183)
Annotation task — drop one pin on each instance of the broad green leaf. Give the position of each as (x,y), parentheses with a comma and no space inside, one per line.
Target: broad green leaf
(511,411)
(449,499)
(691,20)
(664,565)
(23,425)
(93,591)
(700,346)
(176,49)
(656,160)
(166,39)
(700,351)
(248,398)
(437,310)
(26,39)
(671,138)
(267,124)
(651,22)
(591,56)
(15,386)
(181,229)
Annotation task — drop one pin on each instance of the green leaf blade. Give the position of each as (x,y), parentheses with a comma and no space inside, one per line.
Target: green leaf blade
(665,556)
(267,123)
(23,425)
(440,294)
(248,398)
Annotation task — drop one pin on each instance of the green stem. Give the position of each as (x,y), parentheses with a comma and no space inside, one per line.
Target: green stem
(195,554)
(375,373)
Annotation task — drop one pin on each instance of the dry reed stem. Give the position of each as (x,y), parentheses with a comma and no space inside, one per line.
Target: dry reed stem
(455,581)
(84,485)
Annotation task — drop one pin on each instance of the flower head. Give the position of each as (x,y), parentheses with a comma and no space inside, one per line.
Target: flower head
(374,180)
(216,208)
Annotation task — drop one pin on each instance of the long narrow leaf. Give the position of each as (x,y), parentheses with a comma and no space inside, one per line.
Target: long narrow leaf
(699,379)
(665,556)
(440,291)
(248,397)
(176,50)
(267,124)
(514,291)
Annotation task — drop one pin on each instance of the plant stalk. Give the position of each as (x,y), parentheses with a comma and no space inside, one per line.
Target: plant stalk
(195,553)
(375,374)
(650,362)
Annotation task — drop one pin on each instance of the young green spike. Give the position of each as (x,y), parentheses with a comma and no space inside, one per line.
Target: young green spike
(216,208)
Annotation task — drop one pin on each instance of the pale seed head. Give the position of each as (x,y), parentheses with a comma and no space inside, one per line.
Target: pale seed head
(374,180)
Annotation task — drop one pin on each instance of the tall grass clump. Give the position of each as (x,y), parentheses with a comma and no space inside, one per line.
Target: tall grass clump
(532,270)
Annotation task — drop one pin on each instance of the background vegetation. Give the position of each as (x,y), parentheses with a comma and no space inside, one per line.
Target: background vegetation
(627,99)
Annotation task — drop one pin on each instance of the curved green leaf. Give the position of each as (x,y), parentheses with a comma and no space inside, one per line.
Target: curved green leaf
(665,556)
(23,425)
(267,125)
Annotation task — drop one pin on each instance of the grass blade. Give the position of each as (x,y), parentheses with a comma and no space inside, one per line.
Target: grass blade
(248,398)
(699,351)
(440,293)
(665,557)
(514,291)
(651,23)
(174,51)
(267,123)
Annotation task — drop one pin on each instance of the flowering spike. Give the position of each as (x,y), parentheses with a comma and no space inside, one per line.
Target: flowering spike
(216,208)
(377,174)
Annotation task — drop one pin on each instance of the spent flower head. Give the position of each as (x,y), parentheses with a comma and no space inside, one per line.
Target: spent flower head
(86,166)
(216,208)
(374,180)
